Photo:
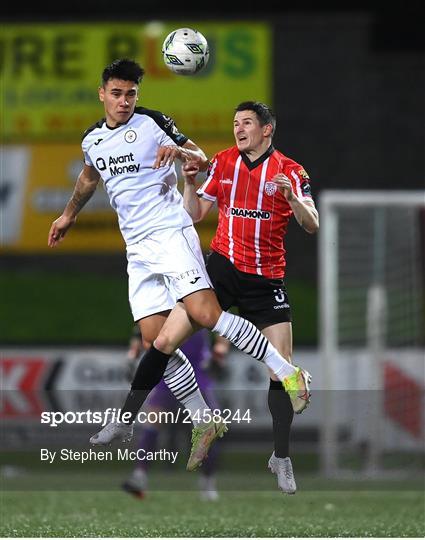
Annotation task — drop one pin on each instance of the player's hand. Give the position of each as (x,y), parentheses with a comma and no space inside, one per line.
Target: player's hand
(217,362)
(284,185)
(189,171)
(166,156)
(219,353)
(220,349)
(58,230)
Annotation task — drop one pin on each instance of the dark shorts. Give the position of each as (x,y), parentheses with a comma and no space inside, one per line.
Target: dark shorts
(260,300)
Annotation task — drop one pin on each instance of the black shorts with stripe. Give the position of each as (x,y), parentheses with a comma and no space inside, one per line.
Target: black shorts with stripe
(259,299)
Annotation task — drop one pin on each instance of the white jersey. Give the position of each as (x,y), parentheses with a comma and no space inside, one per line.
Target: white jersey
(145,199)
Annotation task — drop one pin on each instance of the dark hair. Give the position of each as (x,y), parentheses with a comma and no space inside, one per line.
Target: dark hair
(123,69)
(264,114)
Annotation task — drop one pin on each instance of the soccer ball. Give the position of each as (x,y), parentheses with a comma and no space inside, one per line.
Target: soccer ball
(185,51)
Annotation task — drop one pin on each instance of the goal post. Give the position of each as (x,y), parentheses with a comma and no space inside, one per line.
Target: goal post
(372,333)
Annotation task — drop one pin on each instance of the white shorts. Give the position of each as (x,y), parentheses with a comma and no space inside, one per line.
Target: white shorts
(163,268)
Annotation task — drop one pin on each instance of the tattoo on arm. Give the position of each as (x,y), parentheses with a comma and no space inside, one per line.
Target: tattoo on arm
(79,199)
(82,193)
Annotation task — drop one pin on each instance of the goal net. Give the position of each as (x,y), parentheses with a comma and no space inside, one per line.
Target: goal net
(372,332)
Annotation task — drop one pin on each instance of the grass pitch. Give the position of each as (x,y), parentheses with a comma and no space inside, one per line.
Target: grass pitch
(311,512)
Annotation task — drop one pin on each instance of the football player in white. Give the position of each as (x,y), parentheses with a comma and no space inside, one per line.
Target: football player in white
(133,150)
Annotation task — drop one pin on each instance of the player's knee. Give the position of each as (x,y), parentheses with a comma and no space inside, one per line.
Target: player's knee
(206,314)
(206,318)
(203,308)
(164,344)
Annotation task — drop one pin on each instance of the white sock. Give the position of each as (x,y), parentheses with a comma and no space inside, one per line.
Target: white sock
(197,407)
(248,339)
(280,367)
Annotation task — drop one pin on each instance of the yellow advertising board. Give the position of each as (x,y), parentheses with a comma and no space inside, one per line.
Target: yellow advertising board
(49,76)
(39,179)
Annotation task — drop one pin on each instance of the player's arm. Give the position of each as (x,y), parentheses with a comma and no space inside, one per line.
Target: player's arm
(196,207)
(304,211)
(84,188)
(189,151)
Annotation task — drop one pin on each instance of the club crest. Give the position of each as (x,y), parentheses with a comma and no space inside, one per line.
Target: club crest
(130,136)
(270,188)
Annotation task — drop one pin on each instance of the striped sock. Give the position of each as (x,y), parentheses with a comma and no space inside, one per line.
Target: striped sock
(248,339)
(180,379)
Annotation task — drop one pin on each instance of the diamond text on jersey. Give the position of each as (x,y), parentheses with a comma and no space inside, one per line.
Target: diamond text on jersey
(247,213)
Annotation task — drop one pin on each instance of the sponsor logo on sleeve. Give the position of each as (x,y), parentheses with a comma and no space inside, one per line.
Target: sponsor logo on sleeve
(169,122)
(303,174)
(306,189)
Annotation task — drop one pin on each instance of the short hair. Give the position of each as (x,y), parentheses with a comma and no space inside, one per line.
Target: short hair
(123,69)
(264,113)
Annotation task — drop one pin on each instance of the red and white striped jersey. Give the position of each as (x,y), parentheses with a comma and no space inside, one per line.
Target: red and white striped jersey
(253,214)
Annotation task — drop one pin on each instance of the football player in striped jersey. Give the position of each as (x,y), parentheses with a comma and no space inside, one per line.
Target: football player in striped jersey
(256,189)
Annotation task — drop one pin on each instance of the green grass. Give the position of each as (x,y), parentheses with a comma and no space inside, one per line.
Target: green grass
(75,308)
(64,308)
(314,512)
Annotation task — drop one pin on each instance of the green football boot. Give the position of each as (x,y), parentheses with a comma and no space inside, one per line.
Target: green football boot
(202,438)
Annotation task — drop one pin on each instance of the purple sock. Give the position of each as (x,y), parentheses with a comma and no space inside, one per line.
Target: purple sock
(210,464)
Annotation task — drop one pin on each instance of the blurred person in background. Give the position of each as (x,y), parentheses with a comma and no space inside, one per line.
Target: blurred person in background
(206,357)
(133,151)
(257,189)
